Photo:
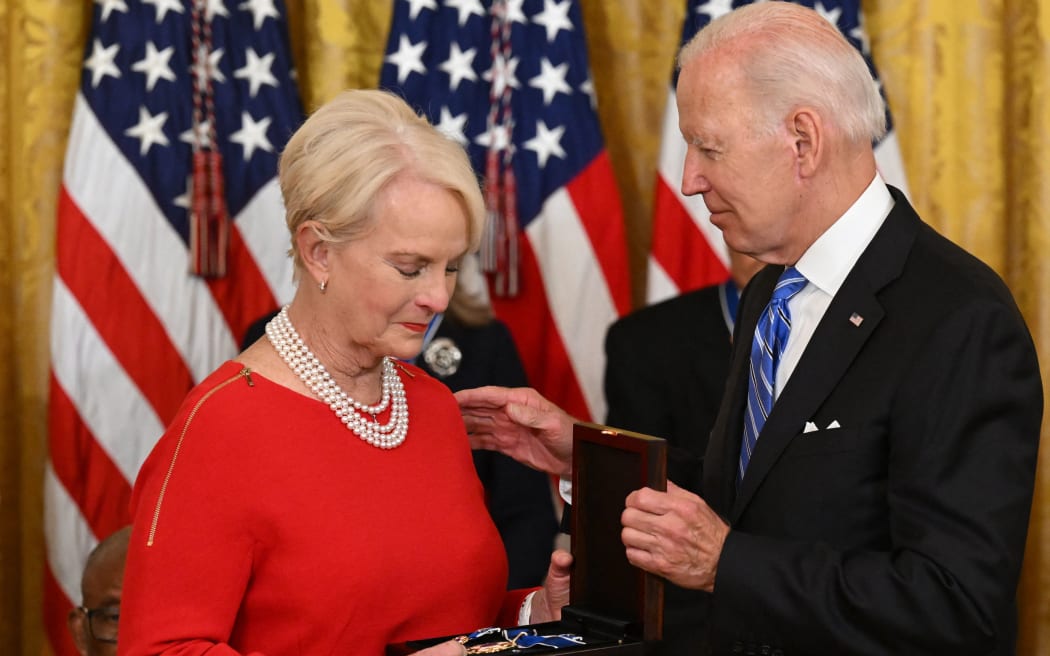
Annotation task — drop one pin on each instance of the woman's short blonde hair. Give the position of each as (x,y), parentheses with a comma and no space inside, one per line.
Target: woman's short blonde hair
(337,163)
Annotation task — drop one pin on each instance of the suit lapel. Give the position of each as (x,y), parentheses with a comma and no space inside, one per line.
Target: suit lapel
(832,348)
(723,452)
(827,357)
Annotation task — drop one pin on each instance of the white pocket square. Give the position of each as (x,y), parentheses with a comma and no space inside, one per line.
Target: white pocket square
(810,427)
(834,424)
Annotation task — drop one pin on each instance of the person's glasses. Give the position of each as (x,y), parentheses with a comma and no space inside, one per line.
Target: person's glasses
(102,622)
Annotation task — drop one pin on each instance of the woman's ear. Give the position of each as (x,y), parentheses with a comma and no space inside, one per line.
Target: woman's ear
(807,128)
(313,250)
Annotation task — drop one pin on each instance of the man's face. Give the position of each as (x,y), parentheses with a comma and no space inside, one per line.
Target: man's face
(747,174)
(101,589)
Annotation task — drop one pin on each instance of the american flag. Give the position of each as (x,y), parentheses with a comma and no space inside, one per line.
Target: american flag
(687,250)
(510,80)
(132,329)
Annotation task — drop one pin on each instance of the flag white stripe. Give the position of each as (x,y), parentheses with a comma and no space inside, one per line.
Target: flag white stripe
(671,163)
(891,166)
(107,400)
(262,225)
(577,293)
(69,538)
(125,214)
(658,285)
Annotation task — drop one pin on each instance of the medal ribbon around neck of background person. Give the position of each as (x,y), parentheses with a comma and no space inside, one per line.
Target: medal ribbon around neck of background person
(356,416)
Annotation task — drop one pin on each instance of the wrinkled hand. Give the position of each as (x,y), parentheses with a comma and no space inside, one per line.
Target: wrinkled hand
(520,423)
(674,534)
(547,604)
(450,648)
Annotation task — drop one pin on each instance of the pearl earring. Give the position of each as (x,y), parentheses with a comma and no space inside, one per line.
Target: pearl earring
(323,285)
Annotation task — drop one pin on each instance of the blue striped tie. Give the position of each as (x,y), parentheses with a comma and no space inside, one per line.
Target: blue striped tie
(771,336)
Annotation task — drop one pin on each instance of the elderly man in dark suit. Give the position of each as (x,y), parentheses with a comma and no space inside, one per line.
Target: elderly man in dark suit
(867,485)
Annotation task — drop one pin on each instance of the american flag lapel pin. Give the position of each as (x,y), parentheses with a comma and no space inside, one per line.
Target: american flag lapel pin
(856,319)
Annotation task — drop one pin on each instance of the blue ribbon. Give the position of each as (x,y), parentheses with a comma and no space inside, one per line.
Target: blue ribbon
(524,638)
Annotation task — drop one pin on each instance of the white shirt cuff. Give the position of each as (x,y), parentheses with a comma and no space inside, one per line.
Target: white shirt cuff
(525,613)
(565,489)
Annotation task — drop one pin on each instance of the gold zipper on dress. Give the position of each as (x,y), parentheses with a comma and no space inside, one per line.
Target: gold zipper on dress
(245,373)
(402,368)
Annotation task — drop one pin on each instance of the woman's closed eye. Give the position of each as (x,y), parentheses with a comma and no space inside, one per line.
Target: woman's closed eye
(416,271)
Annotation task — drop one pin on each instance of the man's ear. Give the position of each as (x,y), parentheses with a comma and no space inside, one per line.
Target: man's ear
(807,129)
(313,250)
(78,628)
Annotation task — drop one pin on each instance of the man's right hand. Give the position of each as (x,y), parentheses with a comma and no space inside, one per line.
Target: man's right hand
(519,423)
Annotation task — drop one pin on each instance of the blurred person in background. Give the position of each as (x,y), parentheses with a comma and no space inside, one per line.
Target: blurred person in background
(93,624)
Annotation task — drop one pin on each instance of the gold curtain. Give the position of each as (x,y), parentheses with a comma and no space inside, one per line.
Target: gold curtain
(969,84)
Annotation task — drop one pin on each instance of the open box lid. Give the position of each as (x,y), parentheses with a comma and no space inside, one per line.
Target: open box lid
(609,464)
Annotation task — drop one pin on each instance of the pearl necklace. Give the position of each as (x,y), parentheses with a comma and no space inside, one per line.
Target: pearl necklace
(352,413)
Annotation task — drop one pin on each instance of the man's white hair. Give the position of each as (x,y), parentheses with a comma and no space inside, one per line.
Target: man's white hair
(792,57)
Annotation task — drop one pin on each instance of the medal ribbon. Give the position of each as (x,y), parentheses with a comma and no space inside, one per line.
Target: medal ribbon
(495,640)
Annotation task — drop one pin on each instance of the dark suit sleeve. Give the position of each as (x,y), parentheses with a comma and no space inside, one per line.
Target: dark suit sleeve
(634,390)
(962,432)
(665,370)
(637,390)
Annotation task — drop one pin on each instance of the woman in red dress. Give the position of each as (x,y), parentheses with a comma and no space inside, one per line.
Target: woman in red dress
(317,494)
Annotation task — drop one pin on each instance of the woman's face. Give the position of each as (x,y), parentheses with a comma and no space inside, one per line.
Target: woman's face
(387,285)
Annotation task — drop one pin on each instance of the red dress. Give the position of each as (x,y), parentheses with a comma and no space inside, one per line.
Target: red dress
(264,526)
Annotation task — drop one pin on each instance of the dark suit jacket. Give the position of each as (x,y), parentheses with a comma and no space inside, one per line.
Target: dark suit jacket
(666,368)
(518,498)
(902,532)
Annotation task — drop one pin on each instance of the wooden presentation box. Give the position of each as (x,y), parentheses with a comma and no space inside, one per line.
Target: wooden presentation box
(615,607)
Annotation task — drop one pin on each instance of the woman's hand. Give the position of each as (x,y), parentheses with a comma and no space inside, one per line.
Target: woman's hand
(521,424)
(450,648)
(547,604)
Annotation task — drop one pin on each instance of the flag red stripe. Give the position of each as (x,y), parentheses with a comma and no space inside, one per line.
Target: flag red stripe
(133,330)
(84,468)
(528,316)
(118,311)
(56,610)
(593,192)
(243,295)
(679,246)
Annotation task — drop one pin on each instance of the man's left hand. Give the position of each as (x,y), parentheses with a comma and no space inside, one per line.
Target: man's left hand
(674,534)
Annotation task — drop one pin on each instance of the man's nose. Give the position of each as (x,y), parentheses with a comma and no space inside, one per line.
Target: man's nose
(694,181)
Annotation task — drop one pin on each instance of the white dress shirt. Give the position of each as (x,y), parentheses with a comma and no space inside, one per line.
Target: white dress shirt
(825,264)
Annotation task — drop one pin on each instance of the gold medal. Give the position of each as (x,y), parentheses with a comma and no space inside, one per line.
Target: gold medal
(491,647)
